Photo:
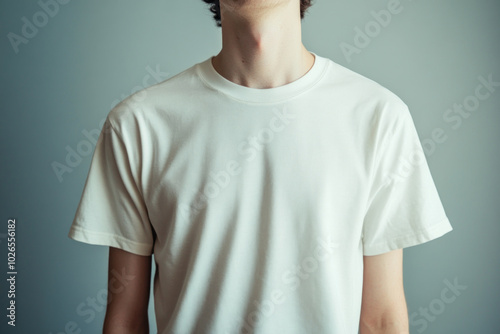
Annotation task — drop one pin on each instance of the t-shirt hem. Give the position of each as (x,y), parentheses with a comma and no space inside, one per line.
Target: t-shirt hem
(422,236)
(80,234)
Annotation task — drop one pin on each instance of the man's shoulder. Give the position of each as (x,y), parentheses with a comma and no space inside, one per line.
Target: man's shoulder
(357,86)
(138,104)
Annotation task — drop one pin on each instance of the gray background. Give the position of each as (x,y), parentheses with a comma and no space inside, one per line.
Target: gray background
(91,54)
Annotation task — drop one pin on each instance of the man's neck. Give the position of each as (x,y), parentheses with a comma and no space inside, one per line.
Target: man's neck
(262,49)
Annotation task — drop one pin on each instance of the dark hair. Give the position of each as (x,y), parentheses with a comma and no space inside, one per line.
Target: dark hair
(215,9)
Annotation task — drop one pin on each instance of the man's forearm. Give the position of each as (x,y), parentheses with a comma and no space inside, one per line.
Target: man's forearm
(121,328)
(384,327)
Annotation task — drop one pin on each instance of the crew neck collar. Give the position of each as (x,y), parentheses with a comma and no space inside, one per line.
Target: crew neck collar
(212,78)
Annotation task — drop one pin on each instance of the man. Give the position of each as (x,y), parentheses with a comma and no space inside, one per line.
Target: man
(275,188)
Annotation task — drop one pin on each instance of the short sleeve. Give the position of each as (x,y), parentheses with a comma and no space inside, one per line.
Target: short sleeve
(111,211)
(404,208)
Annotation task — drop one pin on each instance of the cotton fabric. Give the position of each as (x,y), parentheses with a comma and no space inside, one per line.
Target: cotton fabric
(259,204)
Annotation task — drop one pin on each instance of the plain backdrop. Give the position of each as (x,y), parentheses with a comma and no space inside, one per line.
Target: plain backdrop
(59,80)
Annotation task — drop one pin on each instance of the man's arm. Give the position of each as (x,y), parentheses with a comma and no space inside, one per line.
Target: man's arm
(383,308)
(129,277)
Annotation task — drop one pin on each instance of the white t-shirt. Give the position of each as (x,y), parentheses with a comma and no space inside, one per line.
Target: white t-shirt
(259,204)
